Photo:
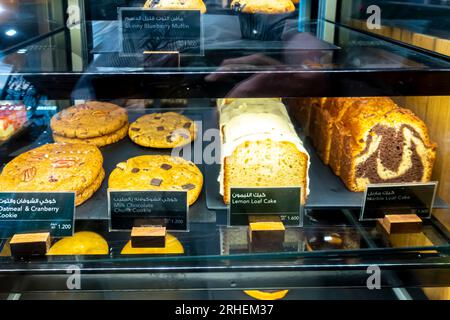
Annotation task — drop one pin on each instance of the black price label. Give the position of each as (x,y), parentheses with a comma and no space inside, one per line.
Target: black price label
(280,201)
(411,198)
(160,30)
(37,211)
(125,207)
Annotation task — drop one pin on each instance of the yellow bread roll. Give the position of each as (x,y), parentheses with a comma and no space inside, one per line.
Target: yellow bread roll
(266,295)
(82,243)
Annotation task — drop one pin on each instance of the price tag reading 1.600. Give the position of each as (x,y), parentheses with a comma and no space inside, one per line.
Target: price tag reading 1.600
(290,218)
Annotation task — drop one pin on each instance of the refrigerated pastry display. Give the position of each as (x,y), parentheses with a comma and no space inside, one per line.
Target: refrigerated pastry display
(56,167)
(371,140)
(173,246)
(81,243)
(93,122)
(158,172)
(260,147)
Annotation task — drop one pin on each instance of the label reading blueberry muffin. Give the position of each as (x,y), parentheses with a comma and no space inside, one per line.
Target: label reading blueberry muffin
(163,29)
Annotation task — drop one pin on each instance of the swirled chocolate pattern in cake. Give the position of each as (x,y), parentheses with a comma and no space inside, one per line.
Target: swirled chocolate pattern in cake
(391,155)
(372,140)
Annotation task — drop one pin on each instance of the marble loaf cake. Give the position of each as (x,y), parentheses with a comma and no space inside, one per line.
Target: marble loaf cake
(372,140)
(260,147)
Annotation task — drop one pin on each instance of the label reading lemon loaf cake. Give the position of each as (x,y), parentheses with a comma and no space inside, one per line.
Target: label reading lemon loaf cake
(260,148)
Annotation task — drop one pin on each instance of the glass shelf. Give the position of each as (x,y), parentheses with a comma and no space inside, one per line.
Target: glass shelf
(212,247)
(324,53)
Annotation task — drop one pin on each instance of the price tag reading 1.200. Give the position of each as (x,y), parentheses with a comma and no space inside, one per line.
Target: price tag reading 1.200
(22,212)
(281,201)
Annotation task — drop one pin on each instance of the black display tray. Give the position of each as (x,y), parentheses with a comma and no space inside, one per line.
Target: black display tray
(327,191)
(96,208)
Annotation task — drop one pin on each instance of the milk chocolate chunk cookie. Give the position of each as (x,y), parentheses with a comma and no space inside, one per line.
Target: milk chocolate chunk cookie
(162,173)
(56,167)
(163,130)
(89,120)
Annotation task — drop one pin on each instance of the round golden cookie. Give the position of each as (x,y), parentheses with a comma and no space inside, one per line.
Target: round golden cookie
(176,4)
(81,243)
(55,167)
(163,130)
(173,246)
(85,194)
(158,172)
(97,141)
(89,120)
(266,295)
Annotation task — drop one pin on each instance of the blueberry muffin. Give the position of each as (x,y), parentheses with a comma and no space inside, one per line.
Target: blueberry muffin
(262,19)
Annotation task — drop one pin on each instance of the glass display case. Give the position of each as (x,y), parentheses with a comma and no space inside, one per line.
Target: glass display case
(248,145)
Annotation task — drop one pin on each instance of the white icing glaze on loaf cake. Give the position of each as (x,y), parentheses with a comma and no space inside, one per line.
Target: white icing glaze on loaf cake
(253,121)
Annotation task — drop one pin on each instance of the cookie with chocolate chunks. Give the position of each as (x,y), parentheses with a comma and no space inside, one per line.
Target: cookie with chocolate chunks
(163,130)
(56,167)
(158,172)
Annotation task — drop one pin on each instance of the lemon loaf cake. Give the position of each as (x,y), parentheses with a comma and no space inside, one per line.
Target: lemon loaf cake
(260,147)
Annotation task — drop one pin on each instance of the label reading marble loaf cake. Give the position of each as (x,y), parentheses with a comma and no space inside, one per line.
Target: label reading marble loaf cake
(280,201)
(125,207)
(410,198)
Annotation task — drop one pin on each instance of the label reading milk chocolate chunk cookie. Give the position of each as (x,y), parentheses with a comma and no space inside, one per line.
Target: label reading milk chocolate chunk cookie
(280,201)
(37,211)
(125,207)
(405,198)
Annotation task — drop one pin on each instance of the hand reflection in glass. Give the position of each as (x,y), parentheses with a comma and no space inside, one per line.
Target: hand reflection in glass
(269,77)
